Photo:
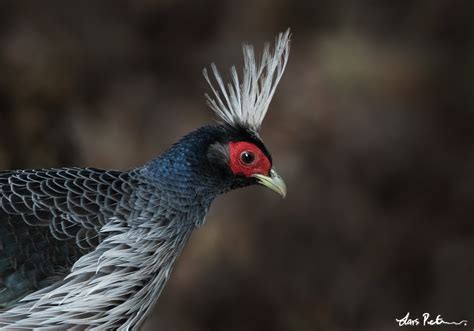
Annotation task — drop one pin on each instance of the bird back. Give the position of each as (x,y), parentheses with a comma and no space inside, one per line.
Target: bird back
(49,219)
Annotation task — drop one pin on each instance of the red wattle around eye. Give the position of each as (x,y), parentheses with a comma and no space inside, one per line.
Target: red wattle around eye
(260,165)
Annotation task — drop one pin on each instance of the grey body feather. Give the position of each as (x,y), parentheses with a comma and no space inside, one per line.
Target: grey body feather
(105,240)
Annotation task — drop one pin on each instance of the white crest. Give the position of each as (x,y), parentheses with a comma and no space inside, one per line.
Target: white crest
(246,103)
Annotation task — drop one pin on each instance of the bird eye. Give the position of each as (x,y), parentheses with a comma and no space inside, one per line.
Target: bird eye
(247,157)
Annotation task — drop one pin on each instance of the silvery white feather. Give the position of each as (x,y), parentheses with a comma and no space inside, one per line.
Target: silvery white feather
(246,103)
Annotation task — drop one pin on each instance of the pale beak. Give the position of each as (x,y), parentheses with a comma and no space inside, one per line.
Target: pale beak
(274,182)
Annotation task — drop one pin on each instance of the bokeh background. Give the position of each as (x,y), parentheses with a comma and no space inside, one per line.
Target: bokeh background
(372,127)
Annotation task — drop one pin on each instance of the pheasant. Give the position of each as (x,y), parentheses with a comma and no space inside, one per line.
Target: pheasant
(84,248)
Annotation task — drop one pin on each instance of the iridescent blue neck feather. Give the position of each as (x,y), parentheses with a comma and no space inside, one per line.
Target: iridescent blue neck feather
(186,169)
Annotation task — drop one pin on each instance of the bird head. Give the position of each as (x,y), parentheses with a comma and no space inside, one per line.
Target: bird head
(239,158)
(242,106)
(216,159)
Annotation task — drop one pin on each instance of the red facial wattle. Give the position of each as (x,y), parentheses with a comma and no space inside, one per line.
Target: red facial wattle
(260,164)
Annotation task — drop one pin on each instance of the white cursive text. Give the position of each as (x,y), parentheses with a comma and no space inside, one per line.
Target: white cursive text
(427,320)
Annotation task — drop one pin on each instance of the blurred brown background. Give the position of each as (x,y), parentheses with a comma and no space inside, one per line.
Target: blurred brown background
(372,128)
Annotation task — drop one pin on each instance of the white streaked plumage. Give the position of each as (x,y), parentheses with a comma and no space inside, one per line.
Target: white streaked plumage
(246,103)
(128,259)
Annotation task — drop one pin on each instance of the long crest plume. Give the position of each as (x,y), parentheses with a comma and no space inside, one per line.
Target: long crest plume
(245,104)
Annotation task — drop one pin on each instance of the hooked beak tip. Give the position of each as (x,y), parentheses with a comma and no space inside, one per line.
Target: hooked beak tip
(274,182)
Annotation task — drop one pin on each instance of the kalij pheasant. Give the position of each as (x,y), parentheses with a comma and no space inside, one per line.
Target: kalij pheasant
(93,249)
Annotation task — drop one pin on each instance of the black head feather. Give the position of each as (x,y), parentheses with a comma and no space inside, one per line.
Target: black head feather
(200,160)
